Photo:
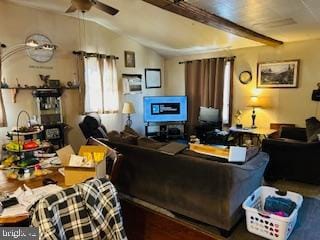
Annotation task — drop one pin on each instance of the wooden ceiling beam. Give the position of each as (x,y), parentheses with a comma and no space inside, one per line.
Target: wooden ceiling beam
(189,11)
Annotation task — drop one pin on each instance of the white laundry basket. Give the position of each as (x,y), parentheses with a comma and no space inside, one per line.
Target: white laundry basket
(266,224)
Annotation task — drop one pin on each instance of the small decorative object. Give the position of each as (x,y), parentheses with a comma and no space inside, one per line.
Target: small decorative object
(132,83)
(153,77)
(129,59)
(4,84)
(44,50)
(54,83)
(238,118)
(282,74)
(69,84)
(128,108)
(194,139)
(45,79)
(245,77)
(18,84)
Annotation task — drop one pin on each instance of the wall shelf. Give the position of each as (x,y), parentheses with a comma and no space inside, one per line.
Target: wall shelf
(15,90)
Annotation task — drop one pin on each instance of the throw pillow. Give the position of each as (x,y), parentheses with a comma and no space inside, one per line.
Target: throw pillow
(312,129)
(314,137)
(131,131)
(114,136)
(149,143)
(128,138)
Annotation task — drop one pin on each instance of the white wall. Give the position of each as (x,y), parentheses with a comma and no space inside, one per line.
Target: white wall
(18,22)
(287,105)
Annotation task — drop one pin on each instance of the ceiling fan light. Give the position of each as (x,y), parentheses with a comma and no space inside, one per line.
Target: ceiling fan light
(32,43)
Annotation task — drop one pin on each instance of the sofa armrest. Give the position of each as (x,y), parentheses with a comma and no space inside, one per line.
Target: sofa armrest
(297,161)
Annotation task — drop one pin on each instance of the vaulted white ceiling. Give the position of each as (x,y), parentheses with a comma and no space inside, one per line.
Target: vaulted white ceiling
(173,35)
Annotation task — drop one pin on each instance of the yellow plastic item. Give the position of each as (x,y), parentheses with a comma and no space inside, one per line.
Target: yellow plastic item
(210,150)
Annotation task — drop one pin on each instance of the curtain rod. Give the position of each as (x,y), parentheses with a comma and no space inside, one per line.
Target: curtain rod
(232,57)
(86,54)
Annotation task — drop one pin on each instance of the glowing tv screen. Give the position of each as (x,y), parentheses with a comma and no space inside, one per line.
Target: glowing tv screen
(165,108)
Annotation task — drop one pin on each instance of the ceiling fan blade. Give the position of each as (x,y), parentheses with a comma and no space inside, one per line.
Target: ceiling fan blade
(106,8)
(71,9)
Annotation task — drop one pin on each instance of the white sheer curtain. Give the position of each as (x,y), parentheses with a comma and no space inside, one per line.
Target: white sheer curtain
(93,88)
(110,86)
(101,91)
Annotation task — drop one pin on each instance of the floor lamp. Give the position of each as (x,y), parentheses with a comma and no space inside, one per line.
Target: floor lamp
(128,108)
(254,103)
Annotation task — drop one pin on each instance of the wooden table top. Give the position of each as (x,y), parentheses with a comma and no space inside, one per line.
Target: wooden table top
(256,131)
(10,185)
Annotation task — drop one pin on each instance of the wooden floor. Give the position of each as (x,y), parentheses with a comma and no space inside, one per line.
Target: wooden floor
(144,224)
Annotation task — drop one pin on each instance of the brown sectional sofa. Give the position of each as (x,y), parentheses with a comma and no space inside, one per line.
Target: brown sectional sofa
(200,187)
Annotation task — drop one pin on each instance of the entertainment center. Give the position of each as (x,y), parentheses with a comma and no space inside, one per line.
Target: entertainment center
(165,116)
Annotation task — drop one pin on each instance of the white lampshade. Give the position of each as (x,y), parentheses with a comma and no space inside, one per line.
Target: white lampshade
(128,108)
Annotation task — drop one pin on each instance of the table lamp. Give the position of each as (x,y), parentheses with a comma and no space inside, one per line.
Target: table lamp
(128,108)
(254,103)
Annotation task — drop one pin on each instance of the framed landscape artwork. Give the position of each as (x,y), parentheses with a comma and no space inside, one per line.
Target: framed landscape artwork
(282,74)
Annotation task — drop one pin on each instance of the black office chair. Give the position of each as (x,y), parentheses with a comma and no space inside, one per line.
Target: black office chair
(91,126)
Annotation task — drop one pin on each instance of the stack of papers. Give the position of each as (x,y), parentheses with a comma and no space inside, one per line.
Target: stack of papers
(26,198)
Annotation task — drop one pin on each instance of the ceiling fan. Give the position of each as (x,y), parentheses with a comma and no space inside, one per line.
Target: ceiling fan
(85,5)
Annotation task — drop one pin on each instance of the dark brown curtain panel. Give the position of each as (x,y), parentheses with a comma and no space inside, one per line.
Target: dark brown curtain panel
(3,118)
(204,87)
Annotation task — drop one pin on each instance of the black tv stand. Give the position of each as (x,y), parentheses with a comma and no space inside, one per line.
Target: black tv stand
(165,131)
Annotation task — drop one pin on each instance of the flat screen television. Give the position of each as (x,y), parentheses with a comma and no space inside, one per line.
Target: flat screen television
(208,115)
(165,108)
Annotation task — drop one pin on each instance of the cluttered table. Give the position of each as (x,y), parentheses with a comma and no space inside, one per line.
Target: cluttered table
(10,185)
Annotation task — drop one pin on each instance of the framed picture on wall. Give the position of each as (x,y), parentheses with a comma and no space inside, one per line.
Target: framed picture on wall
(153,77)
(132,83)
(129,59)
(282,74)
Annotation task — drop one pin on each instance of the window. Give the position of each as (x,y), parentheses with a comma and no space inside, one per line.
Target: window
(226,93)
(101,85)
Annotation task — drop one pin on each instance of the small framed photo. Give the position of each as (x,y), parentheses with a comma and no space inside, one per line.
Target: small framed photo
(129,59)
(282,74)
(153,77)
(132,83)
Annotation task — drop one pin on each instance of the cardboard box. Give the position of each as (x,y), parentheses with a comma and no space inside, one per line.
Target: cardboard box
(234,154)
(78,174)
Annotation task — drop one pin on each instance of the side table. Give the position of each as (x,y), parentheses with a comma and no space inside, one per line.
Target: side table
(258,133)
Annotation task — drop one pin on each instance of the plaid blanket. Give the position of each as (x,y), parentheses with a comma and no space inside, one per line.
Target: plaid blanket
(88,210)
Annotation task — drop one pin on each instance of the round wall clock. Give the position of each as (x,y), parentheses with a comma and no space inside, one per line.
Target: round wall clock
(245,77)
(39,54)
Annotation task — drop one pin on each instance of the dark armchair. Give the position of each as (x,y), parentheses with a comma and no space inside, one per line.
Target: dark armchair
(91,126)
(292,157)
